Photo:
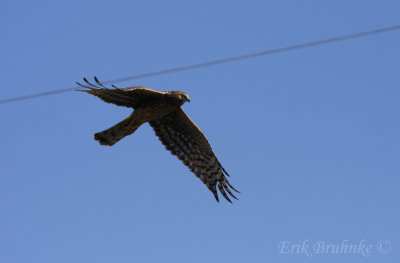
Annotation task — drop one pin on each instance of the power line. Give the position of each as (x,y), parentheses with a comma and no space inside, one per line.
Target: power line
(219,61)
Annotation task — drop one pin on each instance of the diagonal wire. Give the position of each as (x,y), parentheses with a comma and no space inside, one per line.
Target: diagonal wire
(219,61)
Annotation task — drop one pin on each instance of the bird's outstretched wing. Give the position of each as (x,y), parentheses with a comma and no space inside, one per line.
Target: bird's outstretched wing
(132,97)
(185,140)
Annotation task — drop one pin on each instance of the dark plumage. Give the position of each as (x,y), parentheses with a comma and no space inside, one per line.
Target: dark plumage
(171,124)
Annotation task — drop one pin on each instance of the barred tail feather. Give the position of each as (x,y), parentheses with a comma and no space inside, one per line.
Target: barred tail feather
(124,128)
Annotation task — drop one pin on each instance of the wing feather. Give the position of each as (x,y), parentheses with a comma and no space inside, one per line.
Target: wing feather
(185,140)
(132,97)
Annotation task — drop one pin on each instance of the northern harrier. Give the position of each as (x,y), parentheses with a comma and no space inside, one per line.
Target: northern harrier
(162,110)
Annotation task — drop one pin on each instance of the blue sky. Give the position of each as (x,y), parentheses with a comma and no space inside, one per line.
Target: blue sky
(310,137)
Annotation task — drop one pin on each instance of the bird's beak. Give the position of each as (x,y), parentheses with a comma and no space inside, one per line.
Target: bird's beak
(188,100)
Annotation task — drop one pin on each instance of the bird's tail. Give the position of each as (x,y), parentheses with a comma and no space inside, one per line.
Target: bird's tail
(124,128)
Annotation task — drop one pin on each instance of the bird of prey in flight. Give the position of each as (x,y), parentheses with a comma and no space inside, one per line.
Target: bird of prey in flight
(162,110)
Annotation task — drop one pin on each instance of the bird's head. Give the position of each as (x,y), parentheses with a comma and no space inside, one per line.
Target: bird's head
(180,96)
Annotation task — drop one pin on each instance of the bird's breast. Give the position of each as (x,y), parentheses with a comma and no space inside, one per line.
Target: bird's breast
(154,112)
